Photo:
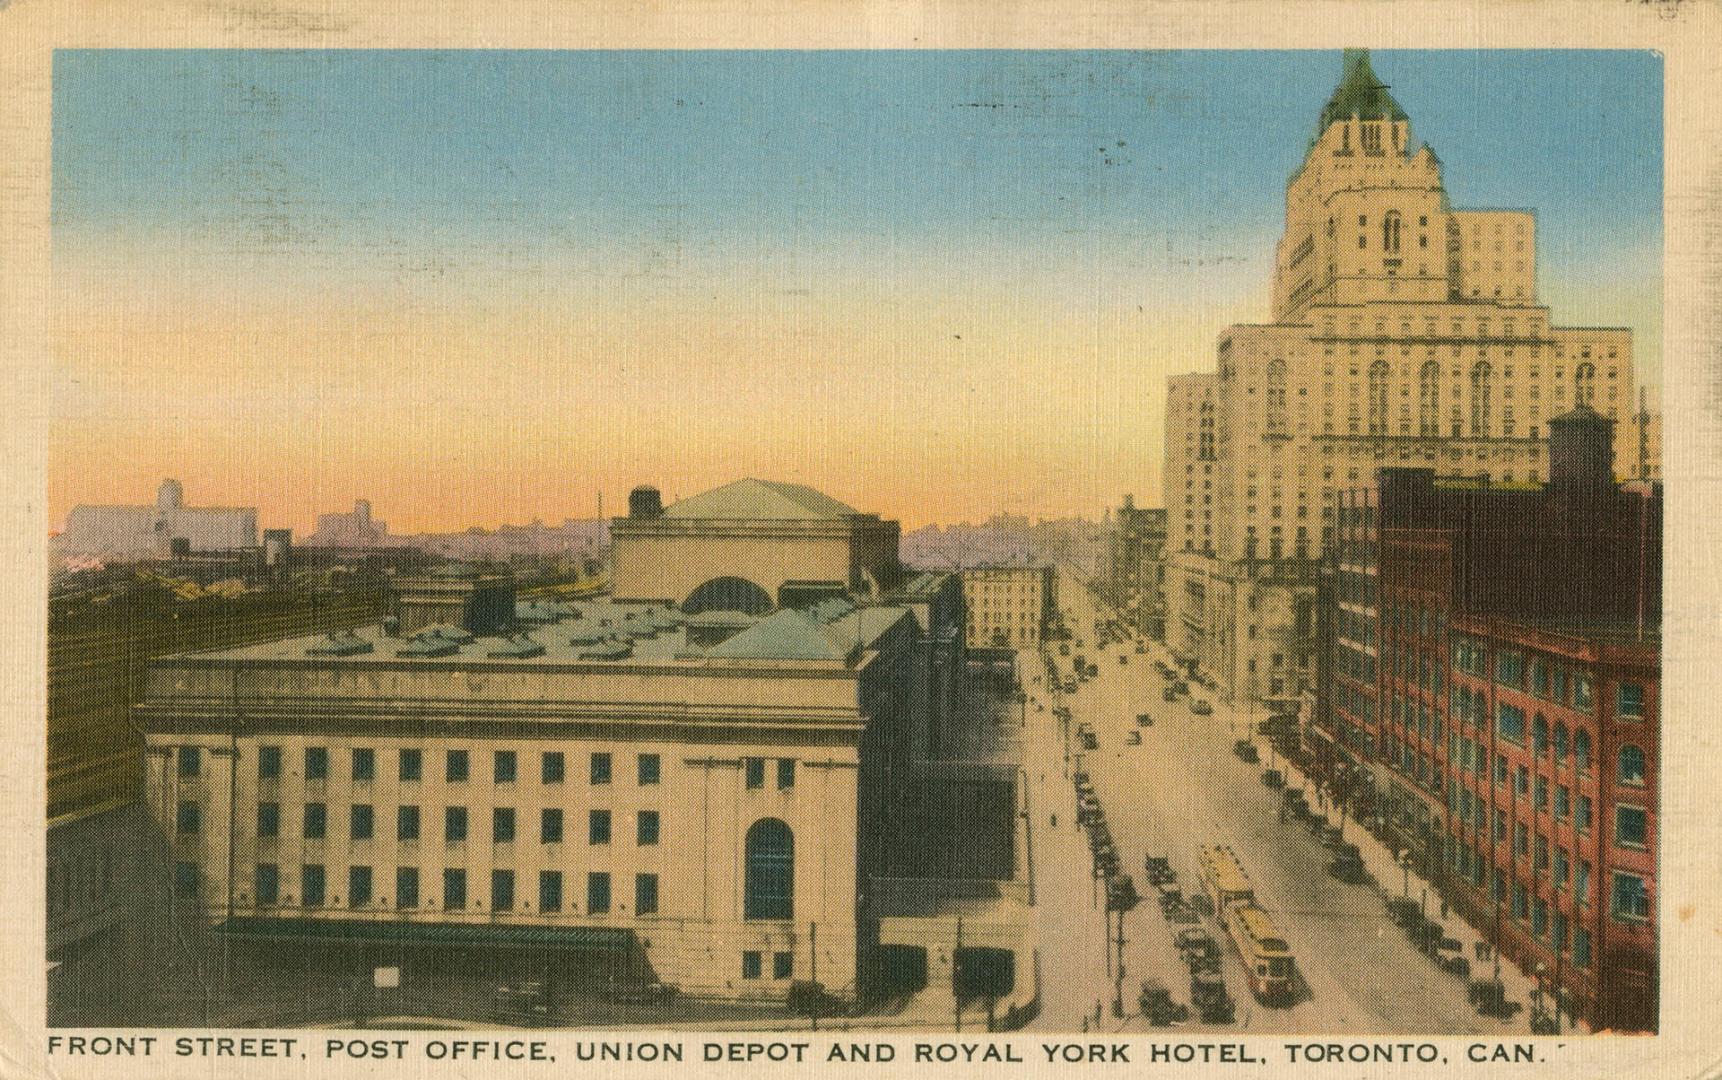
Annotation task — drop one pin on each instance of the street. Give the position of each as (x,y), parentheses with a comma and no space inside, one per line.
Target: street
(1182,788)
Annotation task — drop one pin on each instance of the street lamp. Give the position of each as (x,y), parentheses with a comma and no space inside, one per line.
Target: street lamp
(1405,865)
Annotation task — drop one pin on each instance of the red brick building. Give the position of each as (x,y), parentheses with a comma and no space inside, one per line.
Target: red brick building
(1487,703)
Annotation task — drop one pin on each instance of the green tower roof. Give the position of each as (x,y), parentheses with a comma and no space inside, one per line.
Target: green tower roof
(1359,93)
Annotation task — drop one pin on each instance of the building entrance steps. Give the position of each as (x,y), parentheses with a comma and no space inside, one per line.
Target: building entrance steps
(1391,881)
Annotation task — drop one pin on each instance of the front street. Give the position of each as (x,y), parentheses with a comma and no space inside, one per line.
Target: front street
(1180,789)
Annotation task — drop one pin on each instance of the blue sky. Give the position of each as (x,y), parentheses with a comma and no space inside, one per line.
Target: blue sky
(828,212)
(557,148)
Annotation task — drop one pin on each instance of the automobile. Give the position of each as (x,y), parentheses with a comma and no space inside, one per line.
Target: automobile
(1403,911)
(1157,869)
(1144,720)
(1273,778)
(1064,648)
(1316,824)
(1170,897)
(1123,658)
(1181,686)
(1170,693)
(1089,742)
(1332,837)
(1210,998)
(1141,648)
(1201,707)
(1070,686)
(1246,751)
(1133,739)
(1347,867)
(1157,1005)
(520,1003)
(1489,997)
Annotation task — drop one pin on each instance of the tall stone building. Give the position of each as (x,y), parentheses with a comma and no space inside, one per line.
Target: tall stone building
(1405,332)
(1136,565)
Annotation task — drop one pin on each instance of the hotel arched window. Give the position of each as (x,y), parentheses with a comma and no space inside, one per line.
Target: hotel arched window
(1584,384)
(1390,232)
(1631,765)
(1378,398)
(1276,397)
(1429,399)
(1540,735)
(1480,391)
(1581,750)
(1560,744)
(770,877)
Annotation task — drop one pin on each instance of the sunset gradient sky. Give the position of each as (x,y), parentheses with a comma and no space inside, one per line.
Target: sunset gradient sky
(483,287)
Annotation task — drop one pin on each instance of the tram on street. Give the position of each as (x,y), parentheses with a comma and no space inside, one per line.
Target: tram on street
(1267,958)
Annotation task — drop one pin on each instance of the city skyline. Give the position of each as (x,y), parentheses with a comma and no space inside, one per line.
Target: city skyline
(393,323)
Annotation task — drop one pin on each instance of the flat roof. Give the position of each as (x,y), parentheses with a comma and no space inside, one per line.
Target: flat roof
(602,631)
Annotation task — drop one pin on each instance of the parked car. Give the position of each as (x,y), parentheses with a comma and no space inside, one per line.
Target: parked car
(1089,742)
(1273,778)
(1347,867)
(520,1003)
(1201,707)
(1158,870)
(1489,997)
(1246,751)
(1212,1001)
(1170,693)
(1144,720)
(1157,1004)
(1133,739)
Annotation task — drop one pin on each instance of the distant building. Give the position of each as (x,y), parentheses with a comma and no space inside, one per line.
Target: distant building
(150,532)
(1489,701)
(355,530)
(1009,607)
(1135,578)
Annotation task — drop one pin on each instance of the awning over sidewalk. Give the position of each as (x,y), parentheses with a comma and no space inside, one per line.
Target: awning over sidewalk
(427,933)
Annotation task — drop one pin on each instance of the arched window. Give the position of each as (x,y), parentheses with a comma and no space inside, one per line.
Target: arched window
(1581,750)
(1429,399)
(1631,765)
(1540,735)
(1480,398)
(1560,744)
(770,882)
(1390,232)
(728,594)
(1276,397)
(1584,384)
(1378,398)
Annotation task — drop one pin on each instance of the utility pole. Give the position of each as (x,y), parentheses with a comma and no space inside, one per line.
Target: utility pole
(813,969)
(956,980)
(1118,976)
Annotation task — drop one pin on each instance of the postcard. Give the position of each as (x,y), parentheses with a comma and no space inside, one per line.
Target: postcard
(1091,539)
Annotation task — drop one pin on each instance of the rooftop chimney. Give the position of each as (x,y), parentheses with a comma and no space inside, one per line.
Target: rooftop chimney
(1581,451)
(644,502)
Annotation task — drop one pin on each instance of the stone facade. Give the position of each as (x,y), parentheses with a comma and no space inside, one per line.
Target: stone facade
(1406,332)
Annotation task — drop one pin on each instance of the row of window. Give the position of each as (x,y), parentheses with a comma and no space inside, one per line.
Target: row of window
(362,823)
(457,765)
(313,888)
(768,883)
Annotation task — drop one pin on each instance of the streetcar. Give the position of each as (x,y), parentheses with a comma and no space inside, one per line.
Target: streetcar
(1267,959)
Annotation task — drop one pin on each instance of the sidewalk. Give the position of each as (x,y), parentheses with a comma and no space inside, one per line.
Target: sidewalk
(1387,872)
